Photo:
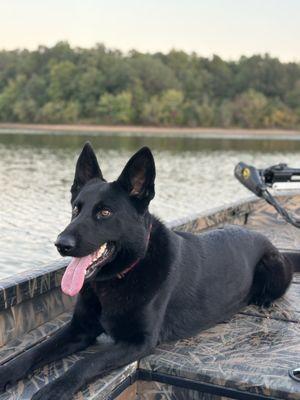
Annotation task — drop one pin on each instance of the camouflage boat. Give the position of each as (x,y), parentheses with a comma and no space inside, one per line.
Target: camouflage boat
(250,356)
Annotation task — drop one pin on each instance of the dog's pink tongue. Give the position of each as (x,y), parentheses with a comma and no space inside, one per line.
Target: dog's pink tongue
(73,278)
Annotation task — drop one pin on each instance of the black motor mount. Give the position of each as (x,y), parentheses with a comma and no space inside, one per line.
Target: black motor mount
(259,180)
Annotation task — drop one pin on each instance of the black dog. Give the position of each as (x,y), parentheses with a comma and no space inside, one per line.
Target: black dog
(138,281)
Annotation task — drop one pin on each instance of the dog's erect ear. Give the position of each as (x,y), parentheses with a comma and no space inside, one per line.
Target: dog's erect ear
(138,176)
(87,168)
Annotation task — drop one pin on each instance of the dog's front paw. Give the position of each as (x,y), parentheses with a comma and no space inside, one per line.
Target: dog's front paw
(9,376)
(60,388)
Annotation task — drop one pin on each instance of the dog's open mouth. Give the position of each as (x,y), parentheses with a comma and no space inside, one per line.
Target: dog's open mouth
(84,268)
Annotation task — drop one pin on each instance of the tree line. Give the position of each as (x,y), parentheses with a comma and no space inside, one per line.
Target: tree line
(100,85)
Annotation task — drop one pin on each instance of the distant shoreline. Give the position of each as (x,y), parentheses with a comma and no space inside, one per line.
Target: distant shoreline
(150,130)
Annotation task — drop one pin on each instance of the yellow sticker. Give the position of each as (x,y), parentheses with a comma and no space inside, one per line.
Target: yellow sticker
(246,173)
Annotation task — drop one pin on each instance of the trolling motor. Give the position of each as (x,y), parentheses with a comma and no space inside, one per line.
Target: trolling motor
(259,180)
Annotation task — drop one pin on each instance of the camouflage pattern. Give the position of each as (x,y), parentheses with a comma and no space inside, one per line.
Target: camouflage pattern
(161,391)
(248,353)
(20,344)
(100,389)
(23,317)
(29,284)
(252,352)
(267,221)
(237,213)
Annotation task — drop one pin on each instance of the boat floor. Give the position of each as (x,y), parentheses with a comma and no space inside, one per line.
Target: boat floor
(246,357)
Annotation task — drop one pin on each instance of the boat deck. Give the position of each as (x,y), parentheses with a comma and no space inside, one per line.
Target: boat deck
(247,357)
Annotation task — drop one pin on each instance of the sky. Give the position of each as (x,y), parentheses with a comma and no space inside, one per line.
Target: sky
(228,28)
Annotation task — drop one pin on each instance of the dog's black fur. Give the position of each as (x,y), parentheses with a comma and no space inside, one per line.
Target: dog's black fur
(181,283)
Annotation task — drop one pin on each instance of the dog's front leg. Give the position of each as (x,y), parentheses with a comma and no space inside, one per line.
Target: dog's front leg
(75,336)
(86,369)
(64,342)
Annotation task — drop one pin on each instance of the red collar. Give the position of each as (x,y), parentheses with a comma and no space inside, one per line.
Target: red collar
(121,274)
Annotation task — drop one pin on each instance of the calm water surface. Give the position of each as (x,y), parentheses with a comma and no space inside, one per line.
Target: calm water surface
(36,172)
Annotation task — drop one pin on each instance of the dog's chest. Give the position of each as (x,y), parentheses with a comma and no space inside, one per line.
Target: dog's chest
(115,298)
(119,310)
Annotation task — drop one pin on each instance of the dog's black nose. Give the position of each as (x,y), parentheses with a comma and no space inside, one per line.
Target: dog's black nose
(65,244)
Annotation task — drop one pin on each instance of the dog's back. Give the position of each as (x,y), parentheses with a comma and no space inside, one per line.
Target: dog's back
(217,274)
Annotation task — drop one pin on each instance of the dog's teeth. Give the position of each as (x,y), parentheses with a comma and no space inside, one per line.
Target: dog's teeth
(99,253)
(101,250)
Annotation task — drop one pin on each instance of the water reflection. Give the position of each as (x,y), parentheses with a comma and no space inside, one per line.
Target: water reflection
(125,141)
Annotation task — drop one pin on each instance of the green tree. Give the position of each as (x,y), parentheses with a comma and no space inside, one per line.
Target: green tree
(139,98)
(278,115)
(263,74)
(62,83)
(59,112)
(206,114)
(9,96)
(249,109)
(65,84)
(293,96)
(90,86)
(191,112)
(35,89)
(165,109)
(220,78)
(25,110)
(155,76)
(224,114)
(151,111)
(115,108)
(171,107)
(195,114)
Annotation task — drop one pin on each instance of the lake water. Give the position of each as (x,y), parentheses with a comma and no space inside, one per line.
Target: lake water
(36,171)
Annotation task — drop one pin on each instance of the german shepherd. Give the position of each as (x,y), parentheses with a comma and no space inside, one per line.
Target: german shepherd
(140,282)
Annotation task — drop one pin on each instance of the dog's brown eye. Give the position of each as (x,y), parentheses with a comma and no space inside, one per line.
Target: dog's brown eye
(105,212)
(75,212)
